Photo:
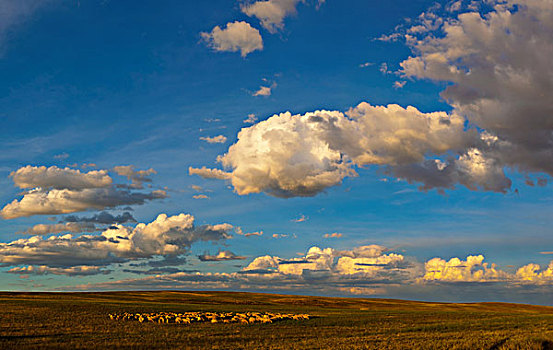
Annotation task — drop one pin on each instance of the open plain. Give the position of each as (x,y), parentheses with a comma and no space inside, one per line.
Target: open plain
(81,320)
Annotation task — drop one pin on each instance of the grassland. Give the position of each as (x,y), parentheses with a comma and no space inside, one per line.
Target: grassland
(80,320)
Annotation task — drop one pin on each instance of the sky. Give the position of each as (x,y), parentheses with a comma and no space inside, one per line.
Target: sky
(397,149)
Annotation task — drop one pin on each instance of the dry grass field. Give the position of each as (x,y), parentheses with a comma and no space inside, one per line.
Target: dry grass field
(81,320)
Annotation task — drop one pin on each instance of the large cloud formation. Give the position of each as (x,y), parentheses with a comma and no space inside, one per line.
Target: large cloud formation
(496,64)
(54,190)
(500,70)
(301,155)
(166,236)
(365,270)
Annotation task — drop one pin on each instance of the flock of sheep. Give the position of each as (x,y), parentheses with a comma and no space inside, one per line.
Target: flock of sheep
(213,317)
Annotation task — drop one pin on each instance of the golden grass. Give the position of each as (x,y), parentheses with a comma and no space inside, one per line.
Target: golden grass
(80,320)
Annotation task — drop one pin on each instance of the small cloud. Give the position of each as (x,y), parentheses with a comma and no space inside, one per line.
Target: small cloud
(251,119)
(384,68)
(60,156)
(237,36)
(390,38)
(366,64)
(88,165)
(399,84)
(302,218)
(333,235)
(224,255)
(239,231)
(214,139)
(208,173)
(265,90)
(276,235)
(137,177)
(197,188)
(200,196)
(546,253)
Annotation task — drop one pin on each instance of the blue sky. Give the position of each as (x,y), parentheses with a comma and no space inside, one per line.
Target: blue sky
(91,85)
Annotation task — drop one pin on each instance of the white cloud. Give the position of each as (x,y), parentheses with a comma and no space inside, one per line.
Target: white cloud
(532,273)
(61,191)
(333,235)
(498,72)
(301,155)
(263,91)
(237,36)
(59,178)
(165,236)
(214,139)
(250,119)
(52,202)
(364,270)
(473,269)
(319,271)
(209,173)
(271,13)
(366,261)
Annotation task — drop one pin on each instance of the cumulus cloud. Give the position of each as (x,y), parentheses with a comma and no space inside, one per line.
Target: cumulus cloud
(364,270)
(214,139)
(333,235)
(271,13)
(301,155)
(68,271)
(320,270)
(533,273)
(168,236)
(55,190)
(365,261)
(497,69)
(473,269)
(223,255)
(498,72)
(237,36)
